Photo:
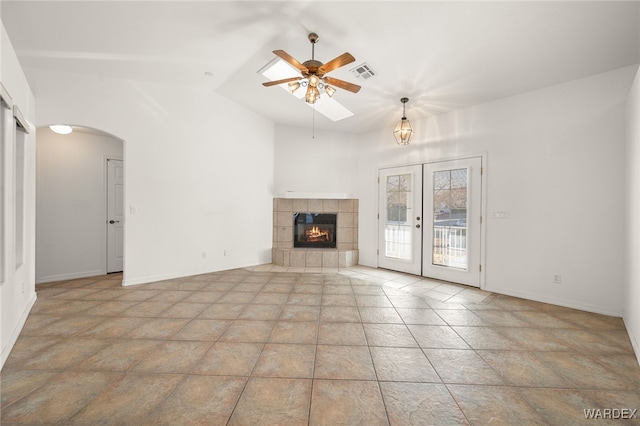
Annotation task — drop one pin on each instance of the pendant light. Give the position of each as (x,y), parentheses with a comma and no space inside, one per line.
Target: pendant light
(403,130)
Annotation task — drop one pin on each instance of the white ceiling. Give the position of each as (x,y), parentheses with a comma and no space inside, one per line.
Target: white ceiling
(442,55)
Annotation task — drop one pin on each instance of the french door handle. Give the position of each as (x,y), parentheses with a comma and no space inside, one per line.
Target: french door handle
(114,221)
(418,226)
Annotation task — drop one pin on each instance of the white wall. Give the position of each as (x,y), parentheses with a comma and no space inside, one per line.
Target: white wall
(17,282)
(320,164)
(198,170)
(632,225)
(555,162)
(71,203)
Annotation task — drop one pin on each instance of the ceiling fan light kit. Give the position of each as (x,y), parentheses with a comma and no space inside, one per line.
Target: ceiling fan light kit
(313,74)
(403,130)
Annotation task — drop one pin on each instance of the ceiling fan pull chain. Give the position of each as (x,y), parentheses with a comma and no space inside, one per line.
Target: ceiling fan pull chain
(313,125)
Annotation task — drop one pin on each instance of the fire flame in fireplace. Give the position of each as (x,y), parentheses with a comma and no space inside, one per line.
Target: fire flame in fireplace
(315,234)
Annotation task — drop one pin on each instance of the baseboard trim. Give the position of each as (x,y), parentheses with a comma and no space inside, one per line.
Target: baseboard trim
(559,302)
(632,337)
(13,338)
(71,276)
(162,277)
(150,279)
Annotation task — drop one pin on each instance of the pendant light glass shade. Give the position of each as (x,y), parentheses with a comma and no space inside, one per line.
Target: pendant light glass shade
(403,130)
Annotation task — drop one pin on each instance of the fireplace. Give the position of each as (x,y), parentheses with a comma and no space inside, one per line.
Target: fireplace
(343,230)
(314,230)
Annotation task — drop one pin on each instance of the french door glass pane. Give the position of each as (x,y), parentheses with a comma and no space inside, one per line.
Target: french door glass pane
(398,229)
(450,218)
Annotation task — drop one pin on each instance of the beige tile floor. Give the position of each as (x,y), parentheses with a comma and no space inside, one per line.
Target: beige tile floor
(276,346)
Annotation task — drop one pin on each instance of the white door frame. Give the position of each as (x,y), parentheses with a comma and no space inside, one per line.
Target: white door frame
(483,196)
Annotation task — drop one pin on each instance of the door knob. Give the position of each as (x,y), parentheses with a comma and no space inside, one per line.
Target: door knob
(418,226)
(114,221)
(418,218)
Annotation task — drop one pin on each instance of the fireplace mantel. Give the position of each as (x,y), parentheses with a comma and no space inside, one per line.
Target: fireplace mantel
(317,195)
(346,252)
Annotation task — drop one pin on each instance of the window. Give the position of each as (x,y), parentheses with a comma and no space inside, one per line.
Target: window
(22,127)
(398,229)
(450,218)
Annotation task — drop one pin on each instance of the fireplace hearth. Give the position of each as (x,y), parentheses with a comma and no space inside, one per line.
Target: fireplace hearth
(314,230)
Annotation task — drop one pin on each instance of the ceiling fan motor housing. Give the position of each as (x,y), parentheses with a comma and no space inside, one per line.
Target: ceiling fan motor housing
(312,65)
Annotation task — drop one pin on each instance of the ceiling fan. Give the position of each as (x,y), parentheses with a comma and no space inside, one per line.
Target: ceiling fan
(314,73)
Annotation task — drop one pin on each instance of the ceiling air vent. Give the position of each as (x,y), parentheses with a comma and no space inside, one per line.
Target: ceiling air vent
(363,71)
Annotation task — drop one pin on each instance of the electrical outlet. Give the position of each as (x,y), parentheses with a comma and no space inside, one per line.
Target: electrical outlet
(557,279)
(204,254)
(226,252)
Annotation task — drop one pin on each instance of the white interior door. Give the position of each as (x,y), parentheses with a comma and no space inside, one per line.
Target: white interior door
(452,221)
(115,215)
(400,219)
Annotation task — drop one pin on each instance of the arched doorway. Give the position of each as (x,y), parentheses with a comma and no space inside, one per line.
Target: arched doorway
(72,177)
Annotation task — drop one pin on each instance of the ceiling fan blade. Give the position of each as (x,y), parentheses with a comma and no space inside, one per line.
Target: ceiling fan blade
(336,63)
(290,59)
(342,84)
(275,83)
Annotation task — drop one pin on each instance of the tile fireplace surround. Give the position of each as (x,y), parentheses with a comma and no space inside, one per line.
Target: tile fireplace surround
(346,252)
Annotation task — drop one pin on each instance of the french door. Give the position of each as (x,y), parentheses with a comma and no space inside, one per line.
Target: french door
(400,218)
(430,220)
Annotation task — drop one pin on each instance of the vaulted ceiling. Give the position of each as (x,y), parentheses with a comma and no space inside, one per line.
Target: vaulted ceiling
(442,55)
